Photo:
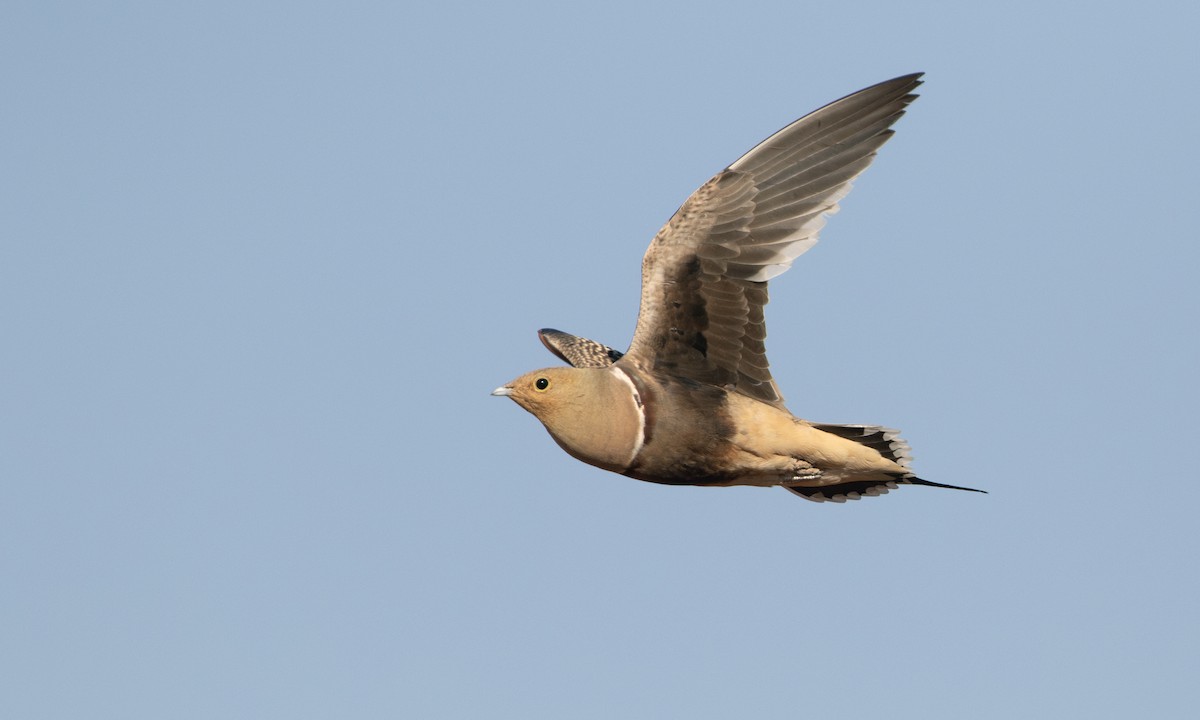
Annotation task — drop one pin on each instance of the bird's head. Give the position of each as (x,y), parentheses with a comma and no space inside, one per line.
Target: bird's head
(551,392)
(593,413)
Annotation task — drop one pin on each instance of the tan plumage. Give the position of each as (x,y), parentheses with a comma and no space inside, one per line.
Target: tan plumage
(693,401)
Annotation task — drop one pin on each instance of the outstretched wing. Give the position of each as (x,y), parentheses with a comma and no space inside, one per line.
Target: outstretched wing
(704,277)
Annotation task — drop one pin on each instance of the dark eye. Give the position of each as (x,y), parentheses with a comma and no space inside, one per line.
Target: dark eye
(541,383)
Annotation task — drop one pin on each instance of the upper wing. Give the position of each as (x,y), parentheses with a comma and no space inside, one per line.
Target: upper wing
(704,277)
(579,352)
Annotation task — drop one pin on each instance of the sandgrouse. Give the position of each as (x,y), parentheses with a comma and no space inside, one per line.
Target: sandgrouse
(692,402)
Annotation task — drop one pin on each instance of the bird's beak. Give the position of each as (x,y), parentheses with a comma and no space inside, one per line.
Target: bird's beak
(503,391)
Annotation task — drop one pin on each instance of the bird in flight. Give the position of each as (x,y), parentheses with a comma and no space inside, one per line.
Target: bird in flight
(692,401)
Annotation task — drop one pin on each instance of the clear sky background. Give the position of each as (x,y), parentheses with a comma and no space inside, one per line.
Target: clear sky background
(262,263)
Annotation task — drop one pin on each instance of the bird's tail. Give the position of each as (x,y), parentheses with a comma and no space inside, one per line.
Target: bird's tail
(888,443)
(885,441)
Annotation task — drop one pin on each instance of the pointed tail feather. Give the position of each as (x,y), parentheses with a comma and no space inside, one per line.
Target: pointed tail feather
(866,488)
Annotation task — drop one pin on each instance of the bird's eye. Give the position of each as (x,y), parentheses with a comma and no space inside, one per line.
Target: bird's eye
(541,384)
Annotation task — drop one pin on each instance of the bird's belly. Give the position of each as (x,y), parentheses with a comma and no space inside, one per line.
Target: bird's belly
(752,443)
(716,449)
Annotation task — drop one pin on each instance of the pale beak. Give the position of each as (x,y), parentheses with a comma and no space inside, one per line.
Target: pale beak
(504,391)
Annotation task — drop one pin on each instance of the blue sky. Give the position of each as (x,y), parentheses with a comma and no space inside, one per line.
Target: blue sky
(261,264)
